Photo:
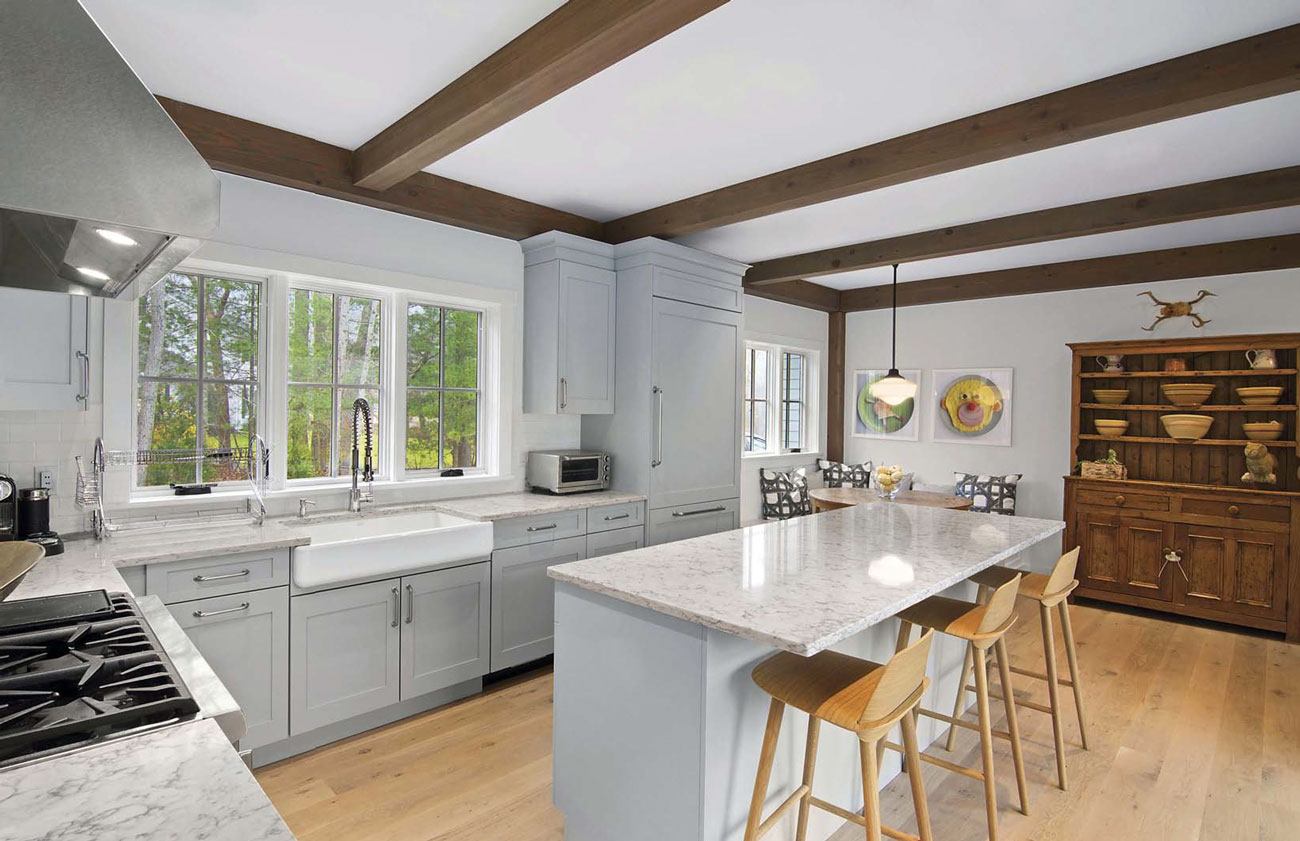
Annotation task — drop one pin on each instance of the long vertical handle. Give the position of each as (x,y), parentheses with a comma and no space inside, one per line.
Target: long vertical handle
(659,428)
(564,392)
(410,604)
(396,608)
(84,396)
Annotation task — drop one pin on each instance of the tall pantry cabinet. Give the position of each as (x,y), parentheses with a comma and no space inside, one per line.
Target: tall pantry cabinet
(675,431)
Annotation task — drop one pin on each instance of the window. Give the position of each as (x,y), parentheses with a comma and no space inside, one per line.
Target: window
(778,397)
(443,400)
(197,373)
(334,353)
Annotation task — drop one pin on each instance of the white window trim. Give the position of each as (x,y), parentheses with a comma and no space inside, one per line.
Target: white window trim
(812,432)
(499,350)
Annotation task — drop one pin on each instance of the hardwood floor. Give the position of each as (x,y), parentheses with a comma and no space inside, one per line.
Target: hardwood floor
(1195,731)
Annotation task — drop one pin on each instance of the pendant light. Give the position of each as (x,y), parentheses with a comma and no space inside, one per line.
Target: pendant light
(894,388)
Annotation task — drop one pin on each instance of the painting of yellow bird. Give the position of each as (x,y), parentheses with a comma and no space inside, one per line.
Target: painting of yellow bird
(972,406)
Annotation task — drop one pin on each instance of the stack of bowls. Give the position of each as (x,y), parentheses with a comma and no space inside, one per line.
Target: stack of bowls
(1186,427)
(1260,395)
(1265,431)
(1110,396)
(1111,428)
(1187,394)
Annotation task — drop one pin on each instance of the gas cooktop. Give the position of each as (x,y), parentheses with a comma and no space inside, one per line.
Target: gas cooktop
(80,669)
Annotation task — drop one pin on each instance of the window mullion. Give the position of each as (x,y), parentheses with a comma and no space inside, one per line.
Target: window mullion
(335,416)
(201,287)
(774,444)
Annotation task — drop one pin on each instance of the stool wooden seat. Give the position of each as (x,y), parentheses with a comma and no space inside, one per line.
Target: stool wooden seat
(982,626)
(1048,591)
(860,696)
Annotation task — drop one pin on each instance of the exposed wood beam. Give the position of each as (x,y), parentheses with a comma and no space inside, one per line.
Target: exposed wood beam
(1252,68)
(1238,194)
(1241,256)
(835,388)
(231,144)
(801,293)
(572,43)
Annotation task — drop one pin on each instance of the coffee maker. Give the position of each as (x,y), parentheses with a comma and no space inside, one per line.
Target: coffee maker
(8,508)
(34,520)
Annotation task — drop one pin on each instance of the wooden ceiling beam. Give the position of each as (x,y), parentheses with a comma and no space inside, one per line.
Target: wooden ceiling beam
(231,144)
(801,293)
(571,44)
(1224,196)
(1241,71)
(1222,258)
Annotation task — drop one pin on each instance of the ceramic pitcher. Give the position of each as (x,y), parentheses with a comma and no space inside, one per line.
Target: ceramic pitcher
(1112,362)
(1261,358)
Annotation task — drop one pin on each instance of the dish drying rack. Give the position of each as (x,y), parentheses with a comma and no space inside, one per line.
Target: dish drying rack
(255,459)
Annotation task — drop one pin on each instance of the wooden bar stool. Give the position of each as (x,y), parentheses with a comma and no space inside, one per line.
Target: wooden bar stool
(860,696)
(1049,591)
(983,626)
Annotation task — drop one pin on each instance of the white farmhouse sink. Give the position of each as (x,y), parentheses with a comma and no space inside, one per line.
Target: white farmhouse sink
(355,548)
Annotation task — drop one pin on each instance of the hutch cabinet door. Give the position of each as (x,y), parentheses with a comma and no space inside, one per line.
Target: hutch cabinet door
(1124,555)
(1144,543)
(1234,570)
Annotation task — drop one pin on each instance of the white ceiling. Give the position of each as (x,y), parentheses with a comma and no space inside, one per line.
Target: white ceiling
(753,87)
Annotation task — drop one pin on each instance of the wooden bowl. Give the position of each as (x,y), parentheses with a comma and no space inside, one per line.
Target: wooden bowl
(1111,428)
(1187,394)
(1263,431)
(1186,427)
(1260,395)
(1110,396)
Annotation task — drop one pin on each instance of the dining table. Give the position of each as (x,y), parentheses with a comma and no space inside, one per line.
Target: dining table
(830,499)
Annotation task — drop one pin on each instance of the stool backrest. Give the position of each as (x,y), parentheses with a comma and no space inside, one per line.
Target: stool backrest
(997,610)
(899,678)
(1062,573)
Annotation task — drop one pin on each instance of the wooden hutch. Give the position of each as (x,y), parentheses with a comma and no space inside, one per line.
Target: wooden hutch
(1184,533)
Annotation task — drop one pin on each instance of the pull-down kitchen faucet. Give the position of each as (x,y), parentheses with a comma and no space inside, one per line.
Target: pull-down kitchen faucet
(361,410)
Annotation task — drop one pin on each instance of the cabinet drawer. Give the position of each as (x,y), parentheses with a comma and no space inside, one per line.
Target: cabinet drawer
(613,542)
(1237,510)
(187,580)
(1123,499)
(610,517)
(522,531)
(694,290)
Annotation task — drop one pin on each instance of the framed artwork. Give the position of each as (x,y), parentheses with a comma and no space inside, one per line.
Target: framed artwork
(877,419)
(972,406)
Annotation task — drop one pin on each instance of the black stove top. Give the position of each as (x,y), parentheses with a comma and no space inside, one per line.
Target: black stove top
(84,680)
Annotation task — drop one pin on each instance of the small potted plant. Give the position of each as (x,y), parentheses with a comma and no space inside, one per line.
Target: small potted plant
(1107,468)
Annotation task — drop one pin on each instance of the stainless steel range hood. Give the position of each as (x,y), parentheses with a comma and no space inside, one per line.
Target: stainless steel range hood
(100,193)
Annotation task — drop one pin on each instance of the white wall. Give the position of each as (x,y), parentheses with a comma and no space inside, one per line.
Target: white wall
(1029,333)
(778,323)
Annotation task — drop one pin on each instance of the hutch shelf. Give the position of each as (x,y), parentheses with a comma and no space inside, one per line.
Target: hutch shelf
(1184,533)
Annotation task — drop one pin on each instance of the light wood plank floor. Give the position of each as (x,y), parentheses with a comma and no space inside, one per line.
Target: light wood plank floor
(1196,735)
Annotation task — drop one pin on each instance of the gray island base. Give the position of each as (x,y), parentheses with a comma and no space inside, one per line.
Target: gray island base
(657,723)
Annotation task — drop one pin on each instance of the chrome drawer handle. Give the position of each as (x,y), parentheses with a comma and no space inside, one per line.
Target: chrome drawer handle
(396,607)
(715,509)
(410,604)
(658,392)
(609,517)
(543,528)
(204,614)
(199,579)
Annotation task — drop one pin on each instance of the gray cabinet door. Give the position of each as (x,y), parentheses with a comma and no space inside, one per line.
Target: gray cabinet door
(586,340)
(344,653)
(695,426)
(523,599)
(617,540)
(245,639)
(685,521)
(44,341)
(446,627)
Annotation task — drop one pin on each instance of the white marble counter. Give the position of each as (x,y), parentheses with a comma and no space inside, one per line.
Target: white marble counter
(183,543)
(805,584)
(177,784)
(527,504)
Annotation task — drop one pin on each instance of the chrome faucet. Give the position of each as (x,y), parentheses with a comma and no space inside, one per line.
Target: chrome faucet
(361,412)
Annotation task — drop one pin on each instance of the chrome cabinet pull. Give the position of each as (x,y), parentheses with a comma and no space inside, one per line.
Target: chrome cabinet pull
(715,509)
(396,608)
(544,528)
(609,517)
(199,579)
(410,604)
(84,396)
(659,429)
(204,614)
(564,392)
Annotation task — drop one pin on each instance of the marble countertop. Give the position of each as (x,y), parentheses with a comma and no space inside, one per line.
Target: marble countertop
(183,543)
(807,583)
(526,504)
(176,784)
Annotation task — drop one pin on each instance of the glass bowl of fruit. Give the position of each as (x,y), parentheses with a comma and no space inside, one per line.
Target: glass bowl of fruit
(889,478)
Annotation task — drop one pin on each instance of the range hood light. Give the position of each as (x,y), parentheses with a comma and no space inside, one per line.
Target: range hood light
(115,237)
(92,273)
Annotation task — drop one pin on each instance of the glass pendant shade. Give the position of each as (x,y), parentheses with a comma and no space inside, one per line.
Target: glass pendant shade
(893,388)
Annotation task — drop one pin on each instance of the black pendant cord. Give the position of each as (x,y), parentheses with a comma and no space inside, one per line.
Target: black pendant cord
(893,350)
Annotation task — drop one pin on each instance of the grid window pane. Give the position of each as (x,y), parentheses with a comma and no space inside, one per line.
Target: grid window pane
(228,414)
(460,366)
(311,336)
(443,398)
(311,431)
(423,346)
(230,328)
(166,419)
(169,328)
(359,336)
(460,428)
(422,430)
(793,366)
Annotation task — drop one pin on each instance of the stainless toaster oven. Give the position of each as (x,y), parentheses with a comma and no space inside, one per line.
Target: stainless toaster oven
(567,471)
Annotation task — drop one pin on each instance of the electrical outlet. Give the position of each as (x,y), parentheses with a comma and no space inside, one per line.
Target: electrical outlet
(45,478)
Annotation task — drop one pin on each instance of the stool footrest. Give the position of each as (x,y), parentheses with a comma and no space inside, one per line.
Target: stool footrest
(1040,676)
(942,763)
(1020,702)
(858,819)
(969,725)
(788,804)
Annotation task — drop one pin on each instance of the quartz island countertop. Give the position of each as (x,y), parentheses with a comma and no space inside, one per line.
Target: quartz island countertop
(804,584)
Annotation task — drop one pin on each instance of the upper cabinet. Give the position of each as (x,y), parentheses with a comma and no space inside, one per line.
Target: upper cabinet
(569,314)
(44,350)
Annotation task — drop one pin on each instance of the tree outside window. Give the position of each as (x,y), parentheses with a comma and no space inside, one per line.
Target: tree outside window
(443,402)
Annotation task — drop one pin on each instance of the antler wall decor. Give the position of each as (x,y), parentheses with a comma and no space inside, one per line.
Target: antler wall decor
(1178,309)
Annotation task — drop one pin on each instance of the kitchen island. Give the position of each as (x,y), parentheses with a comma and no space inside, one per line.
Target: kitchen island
(657,723)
